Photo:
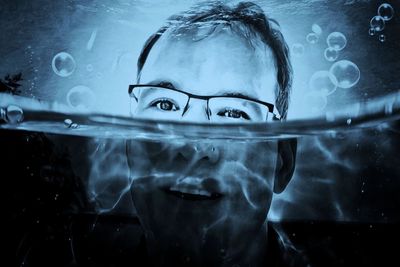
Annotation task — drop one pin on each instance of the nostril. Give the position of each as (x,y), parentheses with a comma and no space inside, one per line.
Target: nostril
(196,153)
(205,158)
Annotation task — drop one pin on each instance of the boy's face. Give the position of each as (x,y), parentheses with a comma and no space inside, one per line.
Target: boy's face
(205,190)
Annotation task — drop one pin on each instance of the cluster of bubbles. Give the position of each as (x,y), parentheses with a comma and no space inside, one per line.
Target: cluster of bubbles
(70,124)
(14,115)
(79,97)
(313,36)
(30,52)
(298,49)
(336,42)
(63,64)
(342,74)
(378,22)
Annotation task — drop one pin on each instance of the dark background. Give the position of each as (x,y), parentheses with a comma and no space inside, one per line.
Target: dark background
(51,221)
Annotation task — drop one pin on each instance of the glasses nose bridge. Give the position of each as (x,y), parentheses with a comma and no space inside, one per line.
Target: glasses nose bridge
(201,98)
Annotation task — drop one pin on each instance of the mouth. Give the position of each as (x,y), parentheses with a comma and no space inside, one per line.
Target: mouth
(194,189)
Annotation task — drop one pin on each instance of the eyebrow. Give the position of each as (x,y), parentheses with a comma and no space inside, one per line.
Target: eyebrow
(164,83)
(169,84)
(234,94)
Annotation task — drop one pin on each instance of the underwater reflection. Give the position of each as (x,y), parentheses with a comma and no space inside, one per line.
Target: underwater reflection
(207,201)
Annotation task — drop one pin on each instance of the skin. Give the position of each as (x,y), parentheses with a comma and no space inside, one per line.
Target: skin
(229,227)
(222,63)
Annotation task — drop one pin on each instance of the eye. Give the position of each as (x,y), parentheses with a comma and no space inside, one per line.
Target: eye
(233,113)
(165,105)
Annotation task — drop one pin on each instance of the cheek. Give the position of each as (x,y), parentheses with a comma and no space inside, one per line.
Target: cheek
(262,158)
(251,165)
(142,157)
(249,173)
(257,157)
(259,161)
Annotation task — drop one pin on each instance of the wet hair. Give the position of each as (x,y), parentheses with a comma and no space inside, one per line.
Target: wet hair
(246,20)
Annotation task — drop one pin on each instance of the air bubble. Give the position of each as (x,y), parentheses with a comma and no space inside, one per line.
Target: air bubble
(371,31)
(89,67)
(81,97)
(316,29)
(70,124)
(63,64)
(312,38)
(14,114)
(323,82)
(336,40)
(377,23)
(67,122)
(331,54)
(297,50)
(346,72)
(386,11)
(382,38)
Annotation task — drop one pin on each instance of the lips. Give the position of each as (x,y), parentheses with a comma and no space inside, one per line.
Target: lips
(193,188)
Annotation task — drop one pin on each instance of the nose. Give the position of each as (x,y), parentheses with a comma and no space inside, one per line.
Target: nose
(196,111)
(200,152)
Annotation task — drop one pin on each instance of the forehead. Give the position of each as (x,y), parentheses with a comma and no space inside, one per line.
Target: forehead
(217,63)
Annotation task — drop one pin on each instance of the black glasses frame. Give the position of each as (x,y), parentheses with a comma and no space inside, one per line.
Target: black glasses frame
(207,98)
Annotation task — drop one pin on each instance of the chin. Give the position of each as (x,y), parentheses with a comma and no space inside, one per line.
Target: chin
(198,226)
(169,212)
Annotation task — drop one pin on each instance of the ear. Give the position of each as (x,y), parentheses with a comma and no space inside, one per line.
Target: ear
(285,164)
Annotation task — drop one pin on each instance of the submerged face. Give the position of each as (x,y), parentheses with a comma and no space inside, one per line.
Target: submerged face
(203,192)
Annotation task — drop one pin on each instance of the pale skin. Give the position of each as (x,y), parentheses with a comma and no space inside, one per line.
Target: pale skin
(214,66)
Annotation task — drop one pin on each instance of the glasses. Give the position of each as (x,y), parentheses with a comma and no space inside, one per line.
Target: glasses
(162,102)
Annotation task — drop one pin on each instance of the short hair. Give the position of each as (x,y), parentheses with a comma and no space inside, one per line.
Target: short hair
(247,20)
